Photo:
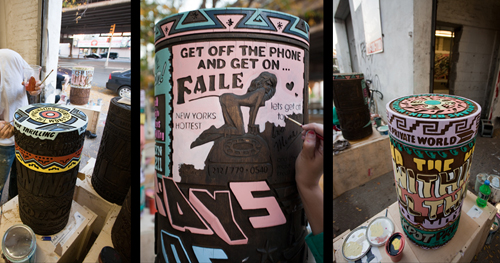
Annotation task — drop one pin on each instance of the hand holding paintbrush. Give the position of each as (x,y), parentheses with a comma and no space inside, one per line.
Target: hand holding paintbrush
(298,123)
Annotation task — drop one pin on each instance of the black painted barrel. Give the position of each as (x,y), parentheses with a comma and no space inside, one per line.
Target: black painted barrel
(49,141)
(351,105)
(111,175)
(225,154)
(120,233)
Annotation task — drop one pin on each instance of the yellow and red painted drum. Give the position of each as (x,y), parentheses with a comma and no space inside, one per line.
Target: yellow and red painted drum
(81,83)
(48,141)
(225,154)
(432,142)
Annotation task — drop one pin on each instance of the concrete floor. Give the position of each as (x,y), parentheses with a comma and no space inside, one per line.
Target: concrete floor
(354,207)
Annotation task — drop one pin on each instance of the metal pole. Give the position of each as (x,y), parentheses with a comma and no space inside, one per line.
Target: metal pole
(109,51)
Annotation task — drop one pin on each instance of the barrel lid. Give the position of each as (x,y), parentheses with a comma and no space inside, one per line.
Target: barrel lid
(45,120)
(433,120)
(82,68)
(347,76)
(232,20)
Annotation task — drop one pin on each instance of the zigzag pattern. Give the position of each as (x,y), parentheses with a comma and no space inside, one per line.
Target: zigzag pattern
(48,164)
(252,19)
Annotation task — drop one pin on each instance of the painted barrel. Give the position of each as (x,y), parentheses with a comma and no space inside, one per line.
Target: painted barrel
(81,79)
(121,231)
(432,138)
(224,154)
(48,141)
(78,95)
(349,97)
(111,175)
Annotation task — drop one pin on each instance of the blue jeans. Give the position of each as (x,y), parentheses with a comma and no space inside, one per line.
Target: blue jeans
(7,155)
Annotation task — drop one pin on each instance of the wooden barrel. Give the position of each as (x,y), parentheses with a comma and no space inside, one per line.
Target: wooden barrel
(224,154)
(79,95)
(120,233)
(49,140)
(432,140)
(351,105)
(111,175)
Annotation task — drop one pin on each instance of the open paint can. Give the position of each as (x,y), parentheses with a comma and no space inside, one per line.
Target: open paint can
(19,244)
(394,246)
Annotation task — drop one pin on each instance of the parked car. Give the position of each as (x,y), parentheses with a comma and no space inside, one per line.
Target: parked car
(112,55)
(93,55)
(119,82)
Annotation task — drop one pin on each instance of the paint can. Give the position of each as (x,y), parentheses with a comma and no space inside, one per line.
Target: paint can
(121,231)
(217,163)
(19,244)
(48,144)
(394,246)
(111,175)
(495,188)
(383,130)
(432,139)
(81,79)
(493,230)
(350,100)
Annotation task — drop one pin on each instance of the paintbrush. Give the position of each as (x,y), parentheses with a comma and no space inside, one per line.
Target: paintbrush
(46,77)
(298,123)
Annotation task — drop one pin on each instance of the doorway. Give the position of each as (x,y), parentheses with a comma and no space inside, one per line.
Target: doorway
(444,38)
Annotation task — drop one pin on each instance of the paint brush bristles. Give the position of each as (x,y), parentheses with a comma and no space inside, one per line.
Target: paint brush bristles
(298,123)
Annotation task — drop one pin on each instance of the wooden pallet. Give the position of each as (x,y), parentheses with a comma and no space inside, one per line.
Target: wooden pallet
(67,245)
(86,195)
(104,237)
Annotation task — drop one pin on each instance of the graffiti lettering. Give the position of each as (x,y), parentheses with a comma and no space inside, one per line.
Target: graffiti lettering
(210,213)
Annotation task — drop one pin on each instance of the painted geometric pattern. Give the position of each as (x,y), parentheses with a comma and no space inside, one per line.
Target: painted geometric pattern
(231,20)
(48,164)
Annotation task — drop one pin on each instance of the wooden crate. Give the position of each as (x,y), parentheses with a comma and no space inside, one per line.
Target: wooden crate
(67,245)
(104,237)
(364,160)
(93,113)
(86,195)
(467,242)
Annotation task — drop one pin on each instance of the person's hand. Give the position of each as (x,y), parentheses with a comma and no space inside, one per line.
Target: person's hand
(308,171)
(38,88)
(6,130)
(309,163)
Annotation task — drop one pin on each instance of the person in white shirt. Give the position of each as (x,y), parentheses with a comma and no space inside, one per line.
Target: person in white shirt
(12,96)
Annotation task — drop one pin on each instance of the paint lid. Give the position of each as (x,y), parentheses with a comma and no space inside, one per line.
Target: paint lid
(383,128)
(379,230)
(18,242)
(45,120)
(356,245)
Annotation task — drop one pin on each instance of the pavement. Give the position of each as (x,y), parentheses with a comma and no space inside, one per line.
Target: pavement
(355,206)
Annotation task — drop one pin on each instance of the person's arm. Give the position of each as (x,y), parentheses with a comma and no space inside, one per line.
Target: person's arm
(308,171)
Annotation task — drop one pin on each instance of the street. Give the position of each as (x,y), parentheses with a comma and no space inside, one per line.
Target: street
(101,74)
